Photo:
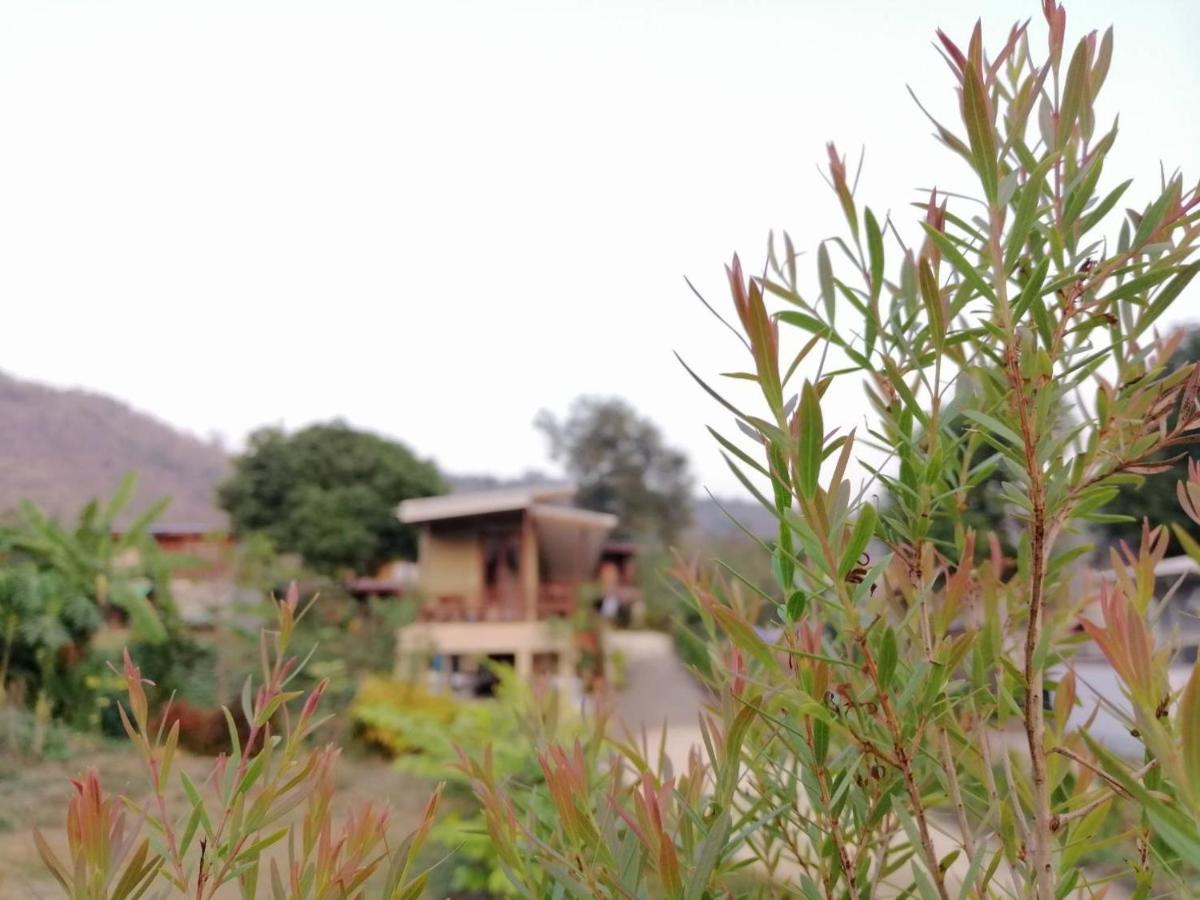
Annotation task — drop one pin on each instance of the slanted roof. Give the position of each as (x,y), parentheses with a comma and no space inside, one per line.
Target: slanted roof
(480,503)
(573,515)
(570,539)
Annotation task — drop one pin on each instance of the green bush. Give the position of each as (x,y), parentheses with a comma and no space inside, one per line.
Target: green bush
(59,584)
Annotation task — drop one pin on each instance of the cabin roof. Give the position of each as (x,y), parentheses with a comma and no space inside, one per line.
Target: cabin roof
(481,503)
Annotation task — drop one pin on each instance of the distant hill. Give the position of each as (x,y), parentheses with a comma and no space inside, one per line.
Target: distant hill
(473,481)
(62,448)
(711,518)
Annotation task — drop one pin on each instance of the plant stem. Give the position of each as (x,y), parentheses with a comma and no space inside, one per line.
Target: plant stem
(1035,726)
(960,808)
(835,829)
(906,770)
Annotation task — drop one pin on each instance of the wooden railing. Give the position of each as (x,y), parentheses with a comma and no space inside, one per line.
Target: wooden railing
(554,599)
(557,599)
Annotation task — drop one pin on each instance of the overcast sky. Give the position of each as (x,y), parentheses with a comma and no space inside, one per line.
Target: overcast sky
(435,219)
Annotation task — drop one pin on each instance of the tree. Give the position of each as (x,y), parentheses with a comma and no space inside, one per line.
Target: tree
(1156,498)
(329,493)
(621,465)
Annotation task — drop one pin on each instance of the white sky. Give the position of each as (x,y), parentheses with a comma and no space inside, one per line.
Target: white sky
(434,219)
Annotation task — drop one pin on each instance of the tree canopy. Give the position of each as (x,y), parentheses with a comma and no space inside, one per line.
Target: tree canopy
(328,492)
(621,464)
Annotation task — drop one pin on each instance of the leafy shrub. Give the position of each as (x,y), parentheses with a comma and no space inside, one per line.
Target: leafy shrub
(380,697)
(231,819)
(59,584)
(860,747)
(90,690)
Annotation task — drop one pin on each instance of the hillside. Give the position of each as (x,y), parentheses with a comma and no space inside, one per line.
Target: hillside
(711,518)
(61,448)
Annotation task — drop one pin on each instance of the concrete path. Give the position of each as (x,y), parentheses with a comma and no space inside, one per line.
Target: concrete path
(659,691)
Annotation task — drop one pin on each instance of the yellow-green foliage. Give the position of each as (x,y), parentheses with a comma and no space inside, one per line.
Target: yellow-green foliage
(430,733)
(400,695)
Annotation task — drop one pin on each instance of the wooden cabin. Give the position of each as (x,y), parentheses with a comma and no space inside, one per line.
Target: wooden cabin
(498,573)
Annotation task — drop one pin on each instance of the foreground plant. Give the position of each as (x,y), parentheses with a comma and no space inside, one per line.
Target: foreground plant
(907,729)
(262,821)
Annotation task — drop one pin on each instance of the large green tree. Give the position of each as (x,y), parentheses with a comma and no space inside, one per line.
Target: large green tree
(621,464)
(328,492)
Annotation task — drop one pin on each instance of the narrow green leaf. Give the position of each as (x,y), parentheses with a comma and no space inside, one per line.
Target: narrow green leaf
(812,439)
(1154,215)
(820,740)
(700,381)
(875,254)
(711,849)
(1177,830)
(1074,97)
(1102,209)
(864,530)
(796,605)
(1079,197)
(825,276)
(995,426)
(739,452)
(980,131)
(888,657)
(193,795)
(1032,289)
(933,302)
(961,265)
(1189,722)
(803,320)
(1028,204)
(1164,298)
